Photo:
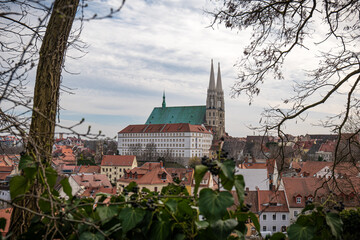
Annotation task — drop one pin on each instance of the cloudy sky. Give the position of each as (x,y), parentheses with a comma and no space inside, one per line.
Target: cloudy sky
(155,46)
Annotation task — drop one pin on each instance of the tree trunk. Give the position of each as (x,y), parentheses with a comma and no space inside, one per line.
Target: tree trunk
(46,97)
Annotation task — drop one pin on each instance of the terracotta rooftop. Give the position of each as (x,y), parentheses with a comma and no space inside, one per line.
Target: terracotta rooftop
(92,180)
(5,213)
(312,167)
(184,174)
(270,201)
(89,169)
(150,173)
(164,128)
(118,160)
(304,187)
(251,198)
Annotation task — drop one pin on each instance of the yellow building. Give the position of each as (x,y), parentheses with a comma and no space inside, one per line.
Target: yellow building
(114,166)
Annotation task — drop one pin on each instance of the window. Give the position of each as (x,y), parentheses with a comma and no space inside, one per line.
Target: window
(298,200)
(310,199)
(274,228)
(155,189)
(264,218)
(264,228)
(283,217)
(274,217)
(295,213)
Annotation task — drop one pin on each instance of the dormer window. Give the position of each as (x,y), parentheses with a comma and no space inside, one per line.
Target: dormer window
(310,199)
(163,176)
(298,200)
(131,175)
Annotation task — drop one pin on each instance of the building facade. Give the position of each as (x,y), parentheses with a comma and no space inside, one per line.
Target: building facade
(211,115)
(114,166)
(181,141)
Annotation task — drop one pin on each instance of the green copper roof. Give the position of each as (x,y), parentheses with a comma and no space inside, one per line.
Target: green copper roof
(189,114)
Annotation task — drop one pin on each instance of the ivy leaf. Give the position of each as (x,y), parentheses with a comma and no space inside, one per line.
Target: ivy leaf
(201,224)
(255,221)
(2,223)
(18,185)
(239,186)
(227,173)
(130,217)
(172,205)
(51,176)
(26,162)
(333,220)
(160,230)
(213,205)
(299,232)
(222,228)
(91,236)
(106,212)
(66,187)
(200,171)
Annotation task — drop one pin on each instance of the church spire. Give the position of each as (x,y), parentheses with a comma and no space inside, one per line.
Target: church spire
(163,102)
(218,82)
(212,77)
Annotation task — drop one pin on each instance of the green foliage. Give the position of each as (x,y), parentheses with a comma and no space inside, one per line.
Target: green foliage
(171,214)
(320,223)
(351,220)
(2,223)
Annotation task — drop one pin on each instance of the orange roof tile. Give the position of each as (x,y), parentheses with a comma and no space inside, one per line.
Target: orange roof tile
(150,173)
(304,187)
(6,213)
(92,180)
(118,160)
(270,201)
(89,169)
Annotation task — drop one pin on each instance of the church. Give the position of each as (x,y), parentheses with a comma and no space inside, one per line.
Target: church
(211,115)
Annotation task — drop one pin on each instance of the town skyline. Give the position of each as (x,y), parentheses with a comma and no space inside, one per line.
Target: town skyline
(121,79)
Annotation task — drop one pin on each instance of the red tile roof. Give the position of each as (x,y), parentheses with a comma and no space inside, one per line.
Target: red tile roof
(163,128)
(6,213)
(91,192)
(304,187)
(89,169)
(92,180)
(270,201)
(309,168)
(329,146)
(150,173)
(184,174)
(118,160)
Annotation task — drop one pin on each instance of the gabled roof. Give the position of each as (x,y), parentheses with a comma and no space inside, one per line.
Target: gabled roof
(183,174)
(312,167)
(271,201)
(148,174)
(118,160)
(92,180)
(89,169)
(303,187)
(184,114)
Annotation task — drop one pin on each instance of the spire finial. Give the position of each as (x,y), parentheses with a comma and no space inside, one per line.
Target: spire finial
(218,82)
(164,102)
(212,78)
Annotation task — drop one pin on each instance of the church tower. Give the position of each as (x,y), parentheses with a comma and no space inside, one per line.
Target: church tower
(220,104)
(215,106)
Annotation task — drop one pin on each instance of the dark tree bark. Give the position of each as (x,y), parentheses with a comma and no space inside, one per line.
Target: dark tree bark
(46,97)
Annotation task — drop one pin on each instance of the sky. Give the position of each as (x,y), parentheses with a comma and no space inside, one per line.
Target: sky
(155,46)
